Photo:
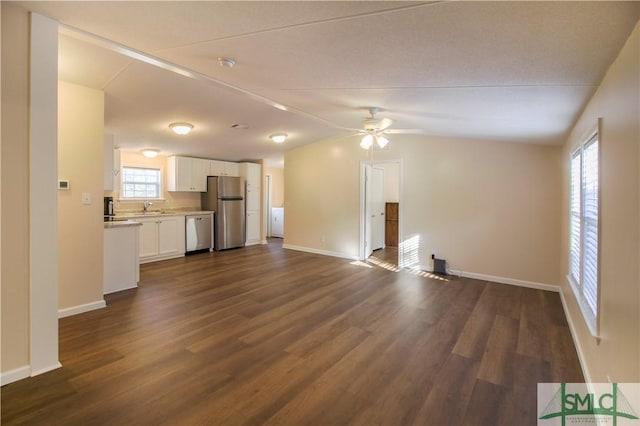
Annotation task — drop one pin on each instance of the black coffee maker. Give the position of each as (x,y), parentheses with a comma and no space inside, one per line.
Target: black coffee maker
(109,213)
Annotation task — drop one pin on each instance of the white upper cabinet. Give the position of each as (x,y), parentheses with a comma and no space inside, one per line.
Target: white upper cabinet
(199,173)
(252,173)
(187,174)
(190,174)
(231,169)
(223,168)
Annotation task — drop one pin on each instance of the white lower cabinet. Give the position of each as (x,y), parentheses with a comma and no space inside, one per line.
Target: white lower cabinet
(121,266)
(252,228)
(161,238)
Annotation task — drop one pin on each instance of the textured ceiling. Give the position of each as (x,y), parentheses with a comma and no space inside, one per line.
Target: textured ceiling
(510,71)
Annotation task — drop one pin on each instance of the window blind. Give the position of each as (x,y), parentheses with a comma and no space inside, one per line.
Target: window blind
(575,219)
(583,228)
(590,225)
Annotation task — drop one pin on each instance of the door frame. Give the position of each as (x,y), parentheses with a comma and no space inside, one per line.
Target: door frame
(267,204)
(363,209)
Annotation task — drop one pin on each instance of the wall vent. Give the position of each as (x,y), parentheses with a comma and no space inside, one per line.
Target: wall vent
(440,266)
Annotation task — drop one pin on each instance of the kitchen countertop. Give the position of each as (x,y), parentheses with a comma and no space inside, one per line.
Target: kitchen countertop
(138,215)
(121,224)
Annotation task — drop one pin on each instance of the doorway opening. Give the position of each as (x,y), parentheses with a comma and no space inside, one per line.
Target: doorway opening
(380,212)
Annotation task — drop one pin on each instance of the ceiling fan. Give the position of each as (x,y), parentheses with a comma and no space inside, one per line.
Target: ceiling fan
(375,130)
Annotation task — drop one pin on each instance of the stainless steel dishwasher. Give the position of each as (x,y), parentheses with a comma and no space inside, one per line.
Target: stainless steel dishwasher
(199,232)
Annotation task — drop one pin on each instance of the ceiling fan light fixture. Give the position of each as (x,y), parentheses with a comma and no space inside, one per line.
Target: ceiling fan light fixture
(181,128)
(367,141)
(382,141)
(150,152)
(278,137)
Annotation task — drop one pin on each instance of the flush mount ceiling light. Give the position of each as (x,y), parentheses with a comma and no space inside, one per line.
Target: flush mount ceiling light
(367,140)
(181,128)
(150,153)
(226,62)
(278,137)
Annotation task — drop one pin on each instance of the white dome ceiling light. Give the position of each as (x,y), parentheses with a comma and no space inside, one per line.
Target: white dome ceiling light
(278,137)
(150,152)
(181,128)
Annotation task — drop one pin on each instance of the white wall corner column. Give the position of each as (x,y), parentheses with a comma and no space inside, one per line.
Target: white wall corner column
(43,197)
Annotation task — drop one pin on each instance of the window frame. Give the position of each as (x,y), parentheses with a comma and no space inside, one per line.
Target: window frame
(591,316)
(159,183)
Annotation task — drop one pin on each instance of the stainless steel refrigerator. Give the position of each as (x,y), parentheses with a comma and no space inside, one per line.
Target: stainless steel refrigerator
(225,196)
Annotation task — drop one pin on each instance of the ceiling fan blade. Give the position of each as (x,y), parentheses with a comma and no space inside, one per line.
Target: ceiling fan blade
(407,132)
(385,122)
(352,129)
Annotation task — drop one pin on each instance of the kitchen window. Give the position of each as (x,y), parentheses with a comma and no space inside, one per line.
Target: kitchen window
(584,230)
(141,183)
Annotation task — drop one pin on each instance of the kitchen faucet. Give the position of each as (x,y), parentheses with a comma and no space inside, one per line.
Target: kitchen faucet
(146,205)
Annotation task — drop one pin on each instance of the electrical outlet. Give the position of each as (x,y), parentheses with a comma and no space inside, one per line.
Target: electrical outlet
(86,198)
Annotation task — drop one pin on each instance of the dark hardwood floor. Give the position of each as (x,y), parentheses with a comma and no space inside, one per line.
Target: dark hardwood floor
(263,335)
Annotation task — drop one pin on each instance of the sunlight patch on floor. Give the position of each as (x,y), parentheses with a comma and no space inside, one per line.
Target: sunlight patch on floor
(426,274)
(361,263)
(381,263)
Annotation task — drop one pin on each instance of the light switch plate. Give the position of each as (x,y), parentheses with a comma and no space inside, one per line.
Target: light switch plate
(86,198)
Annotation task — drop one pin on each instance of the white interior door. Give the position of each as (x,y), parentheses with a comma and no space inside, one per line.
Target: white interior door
(377,208)
(373,186)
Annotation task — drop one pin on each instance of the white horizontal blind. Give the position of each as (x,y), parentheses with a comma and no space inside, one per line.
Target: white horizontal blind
(583,232)
(574,241)
(590,225)
(140,183)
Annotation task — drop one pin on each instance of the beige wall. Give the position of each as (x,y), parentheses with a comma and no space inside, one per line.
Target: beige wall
(80,227)
(172,200)
(617,101)
(322,197)
(486,207)
(15,188)
(277,186)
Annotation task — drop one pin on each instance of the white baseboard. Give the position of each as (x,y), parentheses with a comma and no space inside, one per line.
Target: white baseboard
(15,375)
(576,341)
(75,310)
(161,257)
(499,280)
(323,252)
(46,369)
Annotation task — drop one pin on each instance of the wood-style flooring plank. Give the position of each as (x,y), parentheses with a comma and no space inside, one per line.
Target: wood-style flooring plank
(263,335)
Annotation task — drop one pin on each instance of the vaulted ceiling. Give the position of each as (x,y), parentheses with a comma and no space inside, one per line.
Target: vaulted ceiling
(511,71)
